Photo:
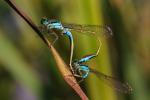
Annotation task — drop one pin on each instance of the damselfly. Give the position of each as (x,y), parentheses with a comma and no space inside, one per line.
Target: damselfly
(57,29)
(82,71)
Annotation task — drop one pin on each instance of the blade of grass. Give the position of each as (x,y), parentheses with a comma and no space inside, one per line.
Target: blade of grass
(14,63)
(66,73)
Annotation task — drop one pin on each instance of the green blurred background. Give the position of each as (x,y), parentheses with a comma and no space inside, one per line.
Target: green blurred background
(28,70)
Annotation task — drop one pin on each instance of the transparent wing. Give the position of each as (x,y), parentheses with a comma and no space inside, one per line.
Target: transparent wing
(102,31)
(113,82)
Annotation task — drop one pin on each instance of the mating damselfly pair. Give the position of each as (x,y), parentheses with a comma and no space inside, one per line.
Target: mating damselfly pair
(78,68)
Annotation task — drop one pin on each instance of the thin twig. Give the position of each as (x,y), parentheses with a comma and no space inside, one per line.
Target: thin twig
(63,68)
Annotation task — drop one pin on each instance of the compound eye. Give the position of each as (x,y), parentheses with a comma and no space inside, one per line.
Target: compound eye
(44,20)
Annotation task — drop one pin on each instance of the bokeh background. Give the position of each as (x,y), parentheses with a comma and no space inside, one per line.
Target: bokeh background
(28,70)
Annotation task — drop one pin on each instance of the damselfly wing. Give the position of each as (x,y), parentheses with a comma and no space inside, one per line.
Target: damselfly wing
(99,30)
(113,82)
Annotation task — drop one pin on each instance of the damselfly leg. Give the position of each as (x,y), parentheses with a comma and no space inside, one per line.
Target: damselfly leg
(49,32)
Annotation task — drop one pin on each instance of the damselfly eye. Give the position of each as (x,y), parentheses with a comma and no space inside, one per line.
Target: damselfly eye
(44,20)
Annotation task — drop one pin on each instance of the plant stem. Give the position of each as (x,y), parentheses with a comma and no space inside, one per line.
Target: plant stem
(63,68)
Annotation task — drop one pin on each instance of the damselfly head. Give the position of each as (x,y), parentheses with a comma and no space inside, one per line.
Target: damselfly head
(44,21)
